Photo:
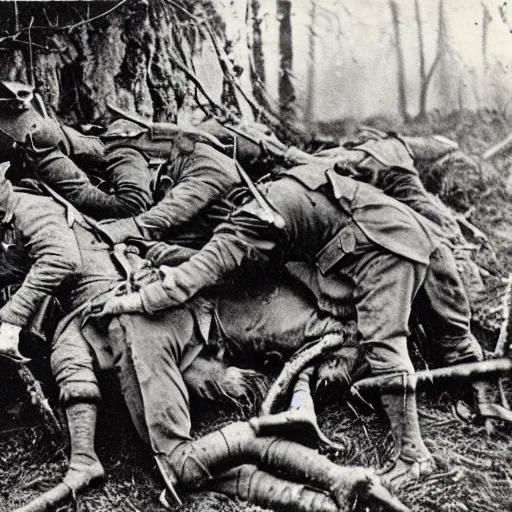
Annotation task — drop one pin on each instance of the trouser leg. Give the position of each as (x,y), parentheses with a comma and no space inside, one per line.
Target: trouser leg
(444,310)
(445,313)
(147,352)
(72,364)
(385,289)
(268,491)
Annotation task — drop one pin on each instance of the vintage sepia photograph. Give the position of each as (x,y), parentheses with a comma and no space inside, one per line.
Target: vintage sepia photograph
(255,255)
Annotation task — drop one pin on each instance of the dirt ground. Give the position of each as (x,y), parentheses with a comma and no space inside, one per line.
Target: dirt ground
(474,470)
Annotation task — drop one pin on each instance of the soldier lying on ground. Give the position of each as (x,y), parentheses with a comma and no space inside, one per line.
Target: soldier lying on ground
(52,153)
(359,238)
(150,353)
(193,175)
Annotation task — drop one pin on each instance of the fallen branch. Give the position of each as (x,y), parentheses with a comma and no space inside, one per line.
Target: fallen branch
(498,148)
(38,398)
(48,500)
(472,371)
(301,360)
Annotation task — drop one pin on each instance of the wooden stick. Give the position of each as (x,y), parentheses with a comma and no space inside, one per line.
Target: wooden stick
(38,398)
(471,371)
(498,148)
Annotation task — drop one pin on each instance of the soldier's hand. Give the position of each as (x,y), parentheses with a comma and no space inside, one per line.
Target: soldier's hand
(131,303)
(9,342)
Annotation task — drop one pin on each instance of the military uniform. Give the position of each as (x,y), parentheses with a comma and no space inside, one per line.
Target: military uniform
(365,241)
(71,262)
(191,185)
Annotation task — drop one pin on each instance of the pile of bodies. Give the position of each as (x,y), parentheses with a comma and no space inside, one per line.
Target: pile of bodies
(154,241)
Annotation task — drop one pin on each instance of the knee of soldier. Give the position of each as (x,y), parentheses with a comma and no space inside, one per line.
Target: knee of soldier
(388,356)
(73,368)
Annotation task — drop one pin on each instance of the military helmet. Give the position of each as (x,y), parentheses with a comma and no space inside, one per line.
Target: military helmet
(15,95)
(24,123)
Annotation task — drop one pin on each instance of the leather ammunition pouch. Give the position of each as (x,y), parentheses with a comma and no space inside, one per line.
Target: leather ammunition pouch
(36,337)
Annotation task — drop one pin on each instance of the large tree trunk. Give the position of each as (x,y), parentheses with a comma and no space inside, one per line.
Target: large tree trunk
(83,55)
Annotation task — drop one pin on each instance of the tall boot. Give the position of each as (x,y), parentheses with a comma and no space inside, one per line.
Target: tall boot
(84,465)
(193,463)
(466,349)
(414,458)
(268,491)
(483,396)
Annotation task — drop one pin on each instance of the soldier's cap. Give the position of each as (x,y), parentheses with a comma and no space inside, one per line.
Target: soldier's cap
(16,93)
(122,128)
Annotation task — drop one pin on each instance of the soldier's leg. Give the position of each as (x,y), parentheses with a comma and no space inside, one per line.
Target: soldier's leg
(147,354)
(194,463)
(72,365)
(445,311)
(385,288)
(445,314)
(257,487)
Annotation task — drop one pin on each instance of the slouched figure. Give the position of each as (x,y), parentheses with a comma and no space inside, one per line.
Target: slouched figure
(370,248)
(150,354)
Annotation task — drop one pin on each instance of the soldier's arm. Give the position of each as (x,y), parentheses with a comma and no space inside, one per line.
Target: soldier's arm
(206,176)
(225,252)
(408,189)
(54,253)
(128,174)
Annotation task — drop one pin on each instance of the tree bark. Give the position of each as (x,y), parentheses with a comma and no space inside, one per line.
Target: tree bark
(87,54)
(402,95)
(258,74)
(286,89)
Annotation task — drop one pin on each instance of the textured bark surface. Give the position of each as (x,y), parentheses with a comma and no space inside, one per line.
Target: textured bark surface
(124,57)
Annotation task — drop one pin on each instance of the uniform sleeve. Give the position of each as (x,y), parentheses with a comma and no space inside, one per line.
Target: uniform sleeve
(205,176)
(409,190)
(128,173)
(55,255)
(245,237)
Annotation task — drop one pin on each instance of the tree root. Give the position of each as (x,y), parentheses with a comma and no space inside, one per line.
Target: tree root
(48,500)
(301,360)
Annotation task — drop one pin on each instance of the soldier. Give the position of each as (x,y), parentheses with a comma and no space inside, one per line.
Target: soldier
(150,354)
(360,239)
(52,153)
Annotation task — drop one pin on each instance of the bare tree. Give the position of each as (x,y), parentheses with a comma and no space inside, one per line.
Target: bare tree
(310,96)
(286,88)
(256,56)
(426,77)
(402,96)
(486,19)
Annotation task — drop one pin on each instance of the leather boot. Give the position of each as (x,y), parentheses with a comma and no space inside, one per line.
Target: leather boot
(84,465)
(483,396)
(267,491)
(193,463)
(414,458)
